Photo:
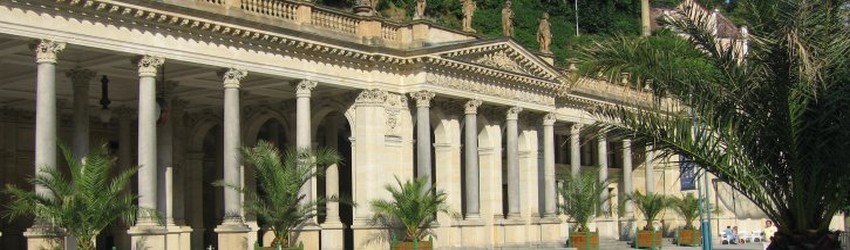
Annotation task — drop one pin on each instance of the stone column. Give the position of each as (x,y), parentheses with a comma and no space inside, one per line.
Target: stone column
(549,206)
(650,170)
(80,78)
(575,149)
(303,137)
(232,231)
(45,130)
(147,136)
(332,228)
(513,162)
(125,158)
(473,188)
(423,134)
(628,186)
(602,145)
(147,231)
(164,153)
(367,161)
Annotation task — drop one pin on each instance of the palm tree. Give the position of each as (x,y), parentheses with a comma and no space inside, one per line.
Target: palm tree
(411,209)
(281,177)
(688,208)
(582,200)
(650,205)
(82,203)
(772,124)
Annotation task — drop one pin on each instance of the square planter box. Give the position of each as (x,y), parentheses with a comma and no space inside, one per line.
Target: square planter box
(584,240)
(648,239)
(689,237)
(407,245)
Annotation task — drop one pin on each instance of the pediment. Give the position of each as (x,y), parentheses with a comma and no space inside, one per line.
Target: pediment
(506,56)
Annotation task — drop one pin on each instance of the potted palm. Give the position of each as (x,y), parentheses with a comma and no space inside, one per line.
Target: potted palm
(582,202)
(81,203)
(281,176)
(688,208)
(411,210)
(650,205)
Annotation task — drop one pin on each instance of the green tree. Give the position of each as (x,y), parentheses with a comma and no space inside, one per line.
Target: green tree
(411,209)
(774,125)
(582,200)
(650,205)
(82,203)
(280,177)
(688,208)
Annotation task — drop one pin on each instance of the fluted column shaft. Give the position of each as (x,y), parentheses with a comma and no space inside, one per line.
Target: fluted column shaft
(232,143)
(471,157)
(650,170)
(332,177)
(164,146)
(602,145)
(80,79)
(628,186)
(513,161)
(423,135)
(575,149)
(45,108)
(147,137)
(549,205)
(303,137)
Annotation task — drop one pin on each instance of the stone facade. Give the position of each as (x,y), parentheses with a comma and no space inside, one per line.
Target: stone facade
(491,121)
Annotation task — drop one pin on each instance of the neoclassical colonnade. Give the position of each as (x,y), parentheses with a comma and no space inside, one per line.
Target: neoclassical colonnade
(154,150)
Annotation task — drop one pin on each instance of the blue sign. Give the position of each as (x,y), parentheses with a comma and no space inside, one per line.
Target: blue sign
(687,174)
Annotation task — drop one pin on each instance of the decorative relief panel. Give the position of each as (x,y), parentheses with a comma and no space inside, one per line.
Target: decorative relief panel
(489,89)
(395,104)
(501,60)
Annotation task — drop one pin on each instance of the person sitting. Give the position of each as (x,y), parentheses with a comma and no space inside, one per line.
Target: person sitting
(730,235)
(738,238)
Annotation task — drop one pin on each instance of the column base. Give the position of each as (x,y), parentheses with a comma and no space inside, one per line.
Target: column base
(474,233)
(332,236)
(512,232)
(368,236)
(252,235)
(308,234)
(147,237)
(40,237)
(550,232)
(233,235)
(172,236)
(185,237)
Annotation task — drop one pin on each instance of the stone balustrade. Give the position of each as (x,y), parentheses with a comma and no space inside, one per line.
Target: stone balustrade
(334,23)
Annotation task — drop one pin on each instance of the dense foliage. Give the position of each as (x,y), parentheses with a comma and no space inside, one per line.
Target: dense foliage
(650,205)
(81,203)
(581,197)
(597,19)
(280,177)
(773,124)
(688,208)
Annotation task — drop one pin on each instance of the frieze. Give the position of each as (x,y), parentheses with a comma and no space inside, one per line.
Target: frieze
(371,96)
(489,89)
(500,60)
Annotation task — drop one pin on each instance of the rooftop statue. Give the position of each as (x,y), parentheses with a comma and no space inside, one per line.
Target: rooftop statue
(544,34)
(508,19)
(420,9)
(468,11)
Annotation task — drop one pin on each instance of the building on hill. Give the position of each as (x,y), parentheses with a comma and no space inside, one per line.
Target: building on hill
(403,99)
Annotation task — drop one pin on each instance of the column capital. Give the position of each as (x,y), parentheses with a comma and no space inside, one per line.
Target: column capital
(304,88)
(80,77)
(423,98)
(147,64)
(371,96)
(576,127)
(549,119)
(471,106)
(47,51)
(232,77)
(513,113)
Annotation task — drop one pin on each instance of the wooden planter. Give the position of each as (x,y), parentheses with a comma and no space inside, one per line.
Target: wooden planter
(648,239)
(415,245)
(689,237)
(584,240)
(299,247)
